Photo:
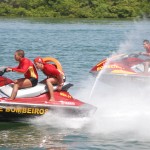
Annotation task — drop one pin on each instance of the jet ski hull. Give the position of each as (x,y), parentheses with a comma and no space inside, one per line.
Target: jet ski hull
(119,79)
(34,102)
(21,111)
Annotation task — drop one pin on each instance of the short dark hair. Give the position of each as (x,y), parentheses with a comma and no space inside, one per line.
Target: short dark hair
(20,53)
(146,41)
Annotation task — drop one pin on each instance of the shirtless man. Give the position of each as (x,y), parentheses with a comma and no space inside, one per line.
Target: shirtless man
(146,45)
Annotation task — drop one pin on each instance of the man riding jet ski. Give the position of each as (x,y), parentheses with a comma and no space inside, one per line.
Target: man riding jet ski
(123,64)
(54,76)
(34,101)
(25,67)
(122,67)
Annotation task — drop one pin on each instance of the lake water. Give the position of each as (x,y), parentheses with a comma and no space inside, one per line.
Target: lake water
(122,120)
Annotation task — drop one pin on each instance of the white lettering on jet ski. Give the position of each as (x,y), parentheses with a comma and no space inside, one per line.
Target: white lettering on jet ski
(67,103)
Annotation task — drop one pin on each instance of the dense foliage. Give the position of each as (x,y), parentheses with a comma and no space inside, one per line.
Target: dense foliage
(75,8)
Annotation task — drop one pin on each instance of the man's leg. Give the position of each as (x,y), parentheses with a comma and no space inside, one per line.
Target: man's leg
(50,82)
(19,84)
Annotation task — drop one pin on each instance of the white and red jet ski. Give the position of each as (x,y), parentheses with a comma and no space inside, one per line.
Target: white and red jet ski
(122,68)
(34,102)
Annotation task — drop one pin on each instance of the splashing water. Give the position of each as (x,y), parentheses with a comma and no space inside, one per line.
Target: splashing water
(134,39)
(123,108)
(122,111)
(100,73)
(57,121)
(95,83)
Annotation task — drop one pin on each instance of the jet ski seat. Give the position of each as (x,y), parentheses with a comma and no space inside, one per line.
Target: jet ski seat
(27,92)
(37,90)
(139,68)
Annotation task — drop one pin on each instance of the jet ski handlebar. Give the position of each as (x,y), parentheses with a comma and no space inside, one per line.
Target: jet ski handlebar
(134,55)
(3,71)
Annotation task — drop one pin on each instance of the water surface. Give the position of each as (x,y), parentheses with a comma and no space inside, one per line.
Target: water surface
(122,119)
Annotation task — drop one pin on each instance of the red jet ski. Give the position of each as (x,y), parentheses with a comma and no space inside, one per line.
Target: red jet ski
(34,102)
(121,68)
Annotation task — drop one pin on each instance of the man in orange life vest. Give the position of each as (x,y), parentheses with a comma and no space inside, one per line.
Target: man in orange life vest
(28,69)
(53,76)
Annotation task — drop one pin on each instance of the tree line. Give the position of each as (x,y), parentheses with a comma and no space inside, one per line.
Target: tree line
(75,8)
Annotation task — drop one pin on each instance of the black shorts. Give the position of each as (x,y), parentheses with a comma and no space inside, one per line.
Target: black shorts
(34,81)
